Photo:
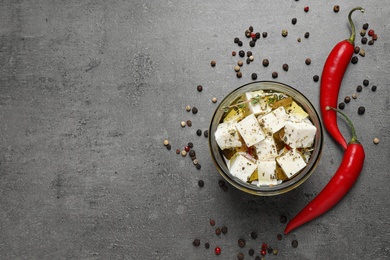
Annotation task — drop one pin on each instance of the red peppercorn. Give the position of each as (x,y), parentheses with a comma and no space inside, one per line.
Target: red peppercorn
(263,252)
(371,32)
(253,35)
(212,222)
(217,250)
(306,9)
(187,148)
(264,246)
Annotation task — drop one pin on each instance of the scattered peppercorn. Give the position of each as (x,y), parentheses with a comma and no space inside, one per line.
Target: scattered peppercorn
(236,68)
(354,96)
(248,33)
(214,100)
(306,9)
(274,74)
(169,147)
(361,110)
(250,28)
(198,132)
(206,133)
(285,67)
(294,243)
(183,153)
(365,26)
(189,123)
(366,82)
(253,234)
(354,60)
(248,61)
(201,183)
(199,88)
(252,43)
(263,252)
(240,256)
(265,34)
(364,40)
(359,88)
(254,76)
(347,99)
(239,43)
(241,242)
(294,21)
(251,252)
(239,74)
(196,242)
(187,148)
(218,231)
(265,62)
(177,151)
(362,52)
(371,32)
(275,251)
(269,250)
(241,53)
(166,142)
(194,110)
(213,63)
(375,37)
(212,222)
(299,40)
(341,105)
(240,63)
(236,39)
(356,50)
(308,61)
(183,124)
(217,250)
(363,33)
(316,78)
(373,88)
(279,236)
(307,34)
(370,42)
(207,245)
(248,54)
(188,108)
(234,53)
(251,58)
(195,161)
(284,33)
(376,140)
(336,8)
(198,166)
(283,219)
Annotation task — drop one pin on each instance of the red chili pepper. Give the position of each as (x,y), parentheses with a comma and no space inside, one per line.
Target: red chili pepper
(332,75)
(342,181)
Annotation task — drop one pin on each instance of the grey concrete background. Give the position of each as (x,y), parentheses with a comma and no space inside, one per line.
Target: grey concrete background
(90,89)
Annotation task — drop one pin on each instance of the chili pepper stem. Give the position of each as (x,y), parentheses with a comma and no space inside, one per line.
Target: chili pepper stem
(353,33)
(354,137)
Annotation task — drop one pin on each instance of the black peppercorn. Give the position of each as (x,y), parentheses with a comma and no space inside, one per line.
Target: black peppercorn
(194,110)
(239,43)
(213,63)
(359,88)
(265,62)
(347,99)
(201,183)
(248,61)
(169,147)
(354,60)
(189,123)
(250,28)
(253,234)
(236,40)
(294,21)
(274,74)
(316,78)
(254,76)
(241,53)
(370,42)
(361,110)
(198,166)
(224,230)
(239,74)
(373,88)
(196,242)
(356,49)
(198,132)
(248,54)
(241,242)
(258,35)
(199,88)
(192,153)
(252,43)
(366,82)
(265,34)
(365,26)
(207,245)
(240,256)
(364,40)
(206,133)
(234,53)
(294,243)
(307,34)
(251,252)
(190,144)
(336,8)
(285,67)
(308,61)
(341,105)
(270,250)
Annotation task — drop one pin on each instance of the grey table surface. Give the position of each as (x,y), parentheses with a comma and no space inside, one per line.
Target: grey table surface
(90,89)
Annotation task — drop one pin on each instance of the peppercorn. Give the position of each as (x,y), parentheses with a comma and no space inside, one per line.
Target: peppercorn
(169,147)
(366,82)
(217,250)
(341,105)
(248,61)
(361,110)
(359,88)
(269,250)
(248,54)
(253,234)
(275,251)
(371,32)
(347,99)
(240,63)
(198,166)
(316,78)
(183,123)
(354,60)
(365,26)
(285,67)
(206,133)
(370,42)
(214,100)
(207,245)
(362,52)
(213,63)
(177,151)
(308,61)
(263,252)
(274,74)
(239,74)
(257,35)
(306,9)
(363,33)
(196,242)
(364,40)
(241,53)
(236,39)
(199,88)
(251,58)
(354,96)
(376,140)
(283,219)
(236,68)
(189,123)
(201,183)
(224,230)
(166,142)
(375,37)
(356,49)
(195,161)
(183,153)
(250,28)
(218,231)
(241,242)
(239,43)
(252,43)
(299,40)
(294,243)
(336,8)
(307,34)
(254,76)
(294,21)
(194,110)
(198,132)
(251,252)
(248,33)
(284,33)
(240,256)
(264,34)
(234,53)
(279,236)
(265,62)
(373,88)
(212,222)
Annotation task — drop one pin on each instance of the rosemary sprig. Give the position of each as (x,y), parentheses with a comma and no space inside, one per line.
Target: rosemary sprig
(241,103)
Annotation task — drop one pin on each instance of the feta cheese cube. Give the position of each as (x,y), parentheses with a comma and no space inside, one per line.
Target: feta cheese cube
(296,111)
(299,134)
(260,107)
(291,162)
(250,130)
(227,136)
(242,167)
(266,149)
(266,173)
(274,121)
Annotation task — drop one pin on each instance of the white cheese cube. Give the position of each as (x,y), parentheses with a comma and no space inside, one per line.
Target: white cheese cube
(274,121)
(250,130)
(260,107)
(296,112)
(266,173)
(241,167)
(299,134)
(266,149)
(227,136)
(291,162)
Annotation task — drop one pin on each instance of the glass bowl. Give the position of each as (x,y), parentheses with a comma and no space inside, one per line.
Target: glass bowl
(287,185)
